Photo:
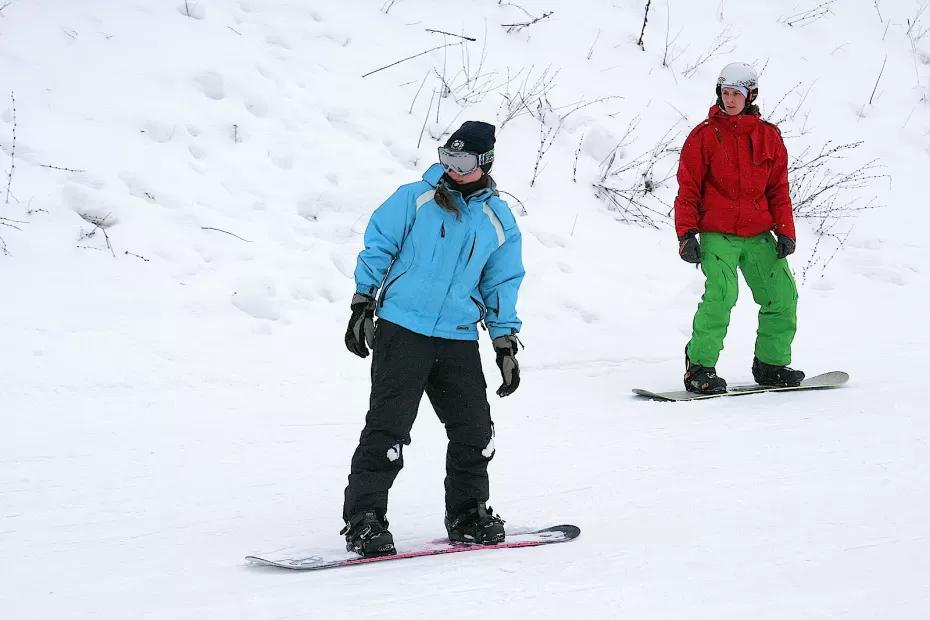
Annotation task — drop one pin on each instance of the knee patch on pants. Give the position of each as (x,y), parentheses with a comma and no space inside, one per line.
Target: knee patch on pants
(721,286)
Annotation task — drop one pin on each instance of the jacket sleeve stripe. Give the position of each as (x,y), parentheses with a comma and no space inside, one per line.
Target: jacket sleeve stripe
(495,221)
(425,197)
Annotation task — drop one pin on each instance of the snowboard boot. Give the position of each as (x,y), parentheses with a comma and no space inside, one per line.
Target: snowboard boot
(777,376)
(476,524)
(367,535)
(702,379)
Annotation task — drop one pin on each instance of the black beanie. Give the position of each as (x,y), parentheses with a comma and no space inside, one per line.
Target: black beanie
(474,137)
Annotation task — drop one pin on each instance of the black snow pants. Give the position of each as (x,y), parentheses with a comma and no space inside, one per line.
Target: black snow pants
(404,364)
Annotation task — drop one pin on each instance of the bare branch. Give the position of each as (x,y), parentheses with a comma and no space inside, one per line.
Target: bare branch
(60,168)
(101,224)
(716,48)
(577,155)
(643,32)
(525,99)
(426,118)
(511,28)
(410,111)
(878,79)
(9,180)
(451,34)
(805,18)
(410,58)
(224,231)
(522,206)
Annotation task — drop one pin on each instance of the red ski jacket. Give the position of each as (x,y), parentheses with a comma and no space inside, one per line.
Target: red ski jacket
(733,178)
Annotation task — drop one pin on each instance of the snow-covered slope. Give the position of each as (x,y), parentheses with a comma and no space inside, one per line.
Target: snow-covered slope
(181,208)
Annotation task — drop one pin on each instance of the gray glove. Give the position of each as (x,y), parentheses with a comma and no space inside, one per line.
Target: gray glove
(361,330)
(506,349)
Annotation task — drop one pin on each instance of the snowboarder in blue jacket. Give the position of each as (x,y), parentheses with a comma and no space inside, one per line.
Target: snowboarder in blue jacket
(442,256)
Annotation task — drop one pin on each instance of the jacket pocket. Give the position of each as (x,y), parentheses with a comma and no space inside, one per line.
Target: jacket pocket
(482,311)
(387,286)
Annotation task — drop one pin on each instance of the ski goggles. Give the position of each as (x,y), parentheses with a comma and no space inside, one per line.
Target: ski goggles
(463,162)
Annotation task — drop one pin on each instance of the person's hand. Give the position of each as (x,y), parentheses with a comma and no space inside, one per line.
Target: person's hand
(506,349)
(361,328)
(783,245)
(689,248)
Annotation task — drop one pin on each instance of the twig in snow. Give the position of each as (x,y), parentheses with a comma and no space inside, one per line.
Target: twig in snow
(878,79)
(426,118)
(5,4)
(451,34)
(716,48)
(410,111)
(666,59)
(511,28)
(60,168)
(522,206)
(805,18)
(5,221)
(9,180)
(101,224)
(591,50)
(525,98)
(128,253)
(577,155)
(224,231)
(410,58)
(387,6)
(643,32)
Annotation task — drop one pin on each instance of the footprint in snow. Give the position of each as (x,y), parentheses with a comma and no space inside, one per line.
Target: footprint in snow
(159,132)
(257,299)
(193,9)
(210,84)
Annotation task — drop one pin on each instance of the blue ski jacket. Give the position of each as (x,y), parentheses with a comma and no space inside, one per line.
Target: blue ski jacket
(439,274)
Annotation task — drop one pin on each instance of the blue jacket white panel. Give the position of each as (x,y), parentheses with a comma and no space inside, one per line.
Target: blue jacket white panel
(439,274)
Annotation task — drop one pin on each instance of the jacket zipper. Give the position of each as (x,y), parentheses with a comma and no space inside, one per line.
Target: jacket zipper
(482,311)
(386,287)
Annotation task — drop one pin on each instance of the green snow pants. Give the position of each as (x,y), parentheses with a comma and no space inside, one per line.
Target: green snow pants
(773,288)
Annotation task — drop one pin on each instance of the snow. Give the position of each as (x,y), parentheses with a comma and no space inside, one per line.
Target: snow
(191,184)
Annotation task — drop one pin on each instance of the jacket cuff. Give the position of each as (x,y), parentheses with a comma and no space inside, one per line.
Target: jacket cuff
(497,332)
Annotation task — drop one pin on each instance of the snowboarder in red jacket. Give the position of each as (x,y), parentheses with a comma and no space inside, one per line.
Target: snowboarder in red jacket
(733,210)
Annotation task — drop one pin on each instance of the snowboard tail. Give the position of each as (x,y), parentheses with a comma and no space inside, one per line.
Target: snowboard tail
(823,381)
(547,536)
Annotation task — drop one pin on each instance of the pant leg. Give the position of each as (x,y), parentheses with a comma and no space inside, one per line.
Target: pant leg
(774,289)
(719,259)
(401,363)
(458,392)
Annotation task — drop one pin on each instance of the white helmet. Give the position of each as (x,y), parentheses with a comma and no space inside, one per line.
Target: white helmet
(740,75)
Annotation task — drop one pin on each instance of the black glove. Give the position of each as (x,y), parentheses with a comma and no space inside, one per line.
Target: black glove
(783,245)
(688,247)
(361,328)
(506,349)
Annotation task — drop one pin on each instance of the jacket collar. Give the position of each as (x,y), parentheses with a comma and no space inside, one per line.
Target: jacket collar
(741,124)
(434,173)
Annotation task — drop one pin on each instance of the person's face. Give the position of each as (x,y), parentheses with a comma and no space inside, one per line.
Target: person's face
(733,101)
(461,179)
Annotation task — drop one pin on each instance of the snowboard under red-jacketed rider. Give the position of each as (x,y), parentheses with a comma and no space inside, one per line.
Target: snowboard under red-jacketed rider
(442,255)
(733,194)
